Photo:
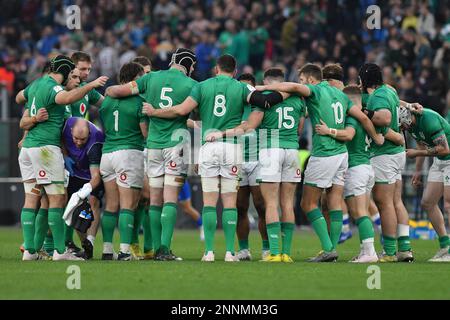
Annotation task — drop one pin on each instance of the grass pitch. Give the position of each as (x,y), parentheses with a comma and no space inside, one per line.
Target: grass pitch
(191,279)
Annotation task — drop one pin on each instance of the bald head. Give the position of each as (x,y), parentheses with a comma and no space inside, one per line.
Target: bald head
(80,132)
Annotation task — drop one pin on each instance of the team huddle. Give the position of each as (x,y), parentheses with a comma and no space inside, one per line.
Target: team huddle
(138,163)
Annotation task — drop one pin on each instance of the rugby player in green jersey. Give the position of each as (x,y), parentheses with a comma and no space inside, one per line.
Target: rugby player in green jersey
(360,177)
(221,102)
(80,108)
(122,163)
(248,184)
(329,159)
(141,216)
(167,144)
(279,128)
(432,133)
(388,161)
(41,160)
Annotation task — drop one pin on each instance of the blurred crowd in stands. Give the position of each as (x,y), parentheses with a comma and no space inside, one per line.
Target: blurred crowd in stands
(412,45)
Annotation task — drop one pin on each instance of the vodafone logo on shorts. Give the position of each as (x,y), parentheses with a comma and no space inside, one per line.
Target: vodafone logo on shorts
(234,169)
(123,177)
(299,173)
(42,173)
(172,164)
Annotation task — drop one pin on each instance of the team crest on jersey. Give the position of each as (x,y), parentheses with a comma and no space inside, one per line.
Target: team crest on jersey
(42,173)
(123,177)
(82,108)
(422,136)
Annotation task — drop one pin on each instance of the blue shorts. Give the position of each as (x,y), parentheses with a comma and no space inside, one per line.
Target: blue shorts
(185,192)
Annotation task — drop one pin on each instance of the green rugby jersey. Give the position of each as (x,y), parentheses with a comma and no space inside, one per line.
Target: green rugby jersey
(330,105)
(385,97)
(358,147)
(429,126)
(121,119)
(279,127)
(41,93)
(164,89)
(81,107)
(221,102)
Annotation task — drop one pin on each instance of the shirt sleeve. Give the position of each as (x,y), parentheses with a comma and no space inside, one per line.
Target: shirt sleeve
(143,81)
(246,90)
(52,94)
(94,96)
(351,122)
(95,154)
(433,128)
(196,93)
(378,103)
(25,92)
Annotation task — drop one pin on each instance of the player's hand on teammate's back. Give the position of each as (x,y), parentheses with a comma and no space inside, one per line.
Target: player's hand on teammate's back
(213,136)
(379,139)
(416,180)
(100,81)
(322,128)
(42,115)
(411,153)
(416,108)
(147,109)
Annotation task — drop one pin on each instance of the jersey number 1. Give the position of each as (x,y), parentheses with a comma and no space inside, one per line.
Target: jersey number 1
(116,120)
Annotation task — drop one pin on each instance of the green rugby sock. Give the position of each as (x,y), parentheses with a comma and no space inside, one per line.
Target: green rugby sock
(389,245)
(148,241)
(265,245)
(138,218)
(168,220)
(365,228)
(335,226)
(273,232)
(109,222)
(48,244)
(287,232)
(41,228)
(27,218)
(209,217)
(444,242)
(68,233)
(320,227)
(229,223)
(126,224)
(404,244)
(155,225)
(57,224)
(243,244)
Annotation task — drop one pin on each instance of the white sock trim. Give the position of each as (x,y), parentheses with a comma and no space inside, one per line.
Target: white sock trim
(108,247)
(402,230)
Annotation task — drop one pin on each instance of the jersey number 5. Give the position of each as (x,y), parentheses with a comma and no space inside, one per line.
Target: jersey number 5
(165,98)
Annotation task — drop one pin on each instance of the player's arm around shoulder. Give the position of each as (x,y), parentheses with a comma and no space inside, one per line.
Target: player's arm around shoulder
(395,137)
(346,134)
(356,113)
(64,97)
(288,87)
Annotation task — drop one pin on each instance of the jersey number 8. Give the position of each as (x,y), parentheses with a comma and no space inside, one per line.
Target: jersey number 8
(219,105)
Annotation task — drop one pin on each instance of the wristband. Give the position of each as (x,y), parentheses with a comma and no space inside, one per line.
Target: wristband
(333,132)
(370,113)
(134,87)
